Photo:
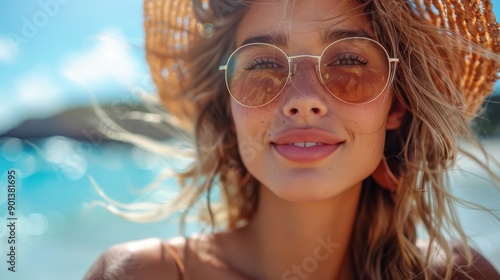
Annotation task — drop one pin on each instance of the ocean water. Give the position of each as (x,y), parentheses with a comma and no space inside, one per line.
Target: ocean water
(58,237)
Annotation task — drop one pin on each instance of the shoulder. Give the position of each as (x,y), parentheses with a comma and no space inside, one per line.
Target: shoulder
(149,259)
(479,268)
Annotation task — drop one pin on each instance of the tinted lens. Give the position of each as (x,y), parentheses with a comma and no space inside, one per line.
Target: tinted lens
(356,70)
(256,74)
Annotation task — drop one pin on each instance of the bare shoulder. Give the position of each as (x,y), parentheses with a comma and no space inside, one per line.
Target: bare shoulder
(480,268)
(148,259)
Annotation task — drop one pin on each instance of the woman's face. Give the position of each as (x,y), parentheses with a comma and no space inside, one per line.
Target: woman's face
(351,136)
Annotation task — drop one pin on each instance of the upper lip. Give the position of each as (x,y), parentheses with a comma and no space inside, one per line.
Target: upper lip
(313,135)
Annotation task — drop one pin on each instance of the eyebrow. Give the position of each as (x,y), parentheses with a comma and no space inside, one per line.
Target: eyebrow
(278,39)
(331,35)
(326,36)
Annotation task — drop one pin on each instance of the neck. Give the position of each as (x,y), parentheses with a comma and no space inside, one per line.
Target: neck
(299,240)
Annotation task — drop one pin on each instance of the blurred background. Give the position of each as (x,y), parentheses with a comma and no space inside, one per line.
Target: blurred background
(55,57)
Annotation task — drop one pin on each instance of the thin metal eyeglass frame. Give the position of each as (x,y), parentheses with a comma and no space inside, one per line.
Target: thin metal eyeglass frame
(390,60)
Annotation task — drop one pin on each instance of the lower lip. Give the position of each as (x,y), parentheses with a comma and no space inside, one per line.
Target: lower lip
(305,154)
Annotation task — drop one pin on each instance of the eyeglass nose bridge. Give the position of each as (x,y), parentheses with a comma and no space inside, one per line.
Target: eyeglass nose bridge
(293,65)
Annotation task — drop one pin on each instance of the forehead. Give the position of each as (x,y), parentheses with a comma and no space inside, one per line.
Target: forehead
(301,20)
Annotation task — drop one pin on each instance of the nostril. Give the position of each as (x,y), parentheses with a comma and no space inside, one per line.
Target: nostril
(315,110)
(294,111)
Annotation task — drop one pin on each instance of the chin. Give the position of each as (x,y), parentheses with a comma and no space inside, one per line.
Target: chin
(300,188)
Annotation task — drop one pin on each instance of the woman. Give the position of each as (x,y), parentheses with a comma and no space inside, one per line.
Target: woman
(328,126)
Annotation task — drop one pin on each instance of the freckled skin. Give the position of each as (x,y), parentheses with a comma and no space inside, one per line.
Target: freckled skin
(306,103)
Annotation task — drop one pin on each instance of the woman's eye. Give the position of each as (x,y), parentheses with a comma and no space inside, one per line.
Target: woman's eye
(349,59)
(262,63)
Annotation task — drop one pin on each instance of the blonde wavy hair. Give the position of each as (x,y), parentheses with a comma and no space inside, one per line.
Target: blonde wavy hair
(420,152)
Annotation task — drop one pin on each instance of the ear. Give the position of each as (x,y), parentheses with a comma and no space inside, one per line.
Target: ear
(396,115)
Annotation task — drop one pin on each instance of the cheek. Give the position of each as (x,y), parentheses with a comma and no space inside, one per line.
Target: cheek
(257,123)
(253,130)
(364,119)
(246,121)
(365,126)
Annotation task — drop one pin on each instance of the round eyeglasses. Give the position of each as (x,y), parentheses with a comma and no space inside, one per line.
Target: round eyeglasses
(356,70)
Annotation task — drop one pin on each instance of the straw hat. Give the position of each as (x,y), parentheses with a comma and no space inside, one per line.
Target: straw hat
(171,27)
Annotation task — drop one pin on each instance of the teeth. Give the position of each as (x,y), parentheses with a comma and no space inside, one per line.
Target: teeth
(305,144)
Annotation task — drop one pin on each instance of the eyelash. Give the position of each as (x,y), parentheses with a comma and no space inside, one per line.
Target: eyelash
(350,58)
(260,62)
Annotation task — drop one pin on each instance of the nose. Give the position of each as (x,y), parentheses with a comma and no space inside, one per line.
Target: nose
(305,96)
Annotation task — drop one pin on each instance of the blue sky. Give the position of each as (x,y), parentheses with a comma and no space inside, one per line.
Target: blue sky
(48,48)
(64,49)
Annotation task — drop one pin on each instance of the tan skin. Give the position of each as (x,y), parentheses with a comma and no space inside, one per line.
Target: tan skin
(282,232)
(150,260)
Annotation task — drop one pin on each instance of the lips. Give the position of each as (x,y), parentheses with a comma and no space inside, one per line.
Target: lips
(305,145)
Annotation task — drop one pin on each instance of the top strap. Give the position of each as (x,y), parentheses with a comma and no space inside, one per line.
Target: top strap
(178,261)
